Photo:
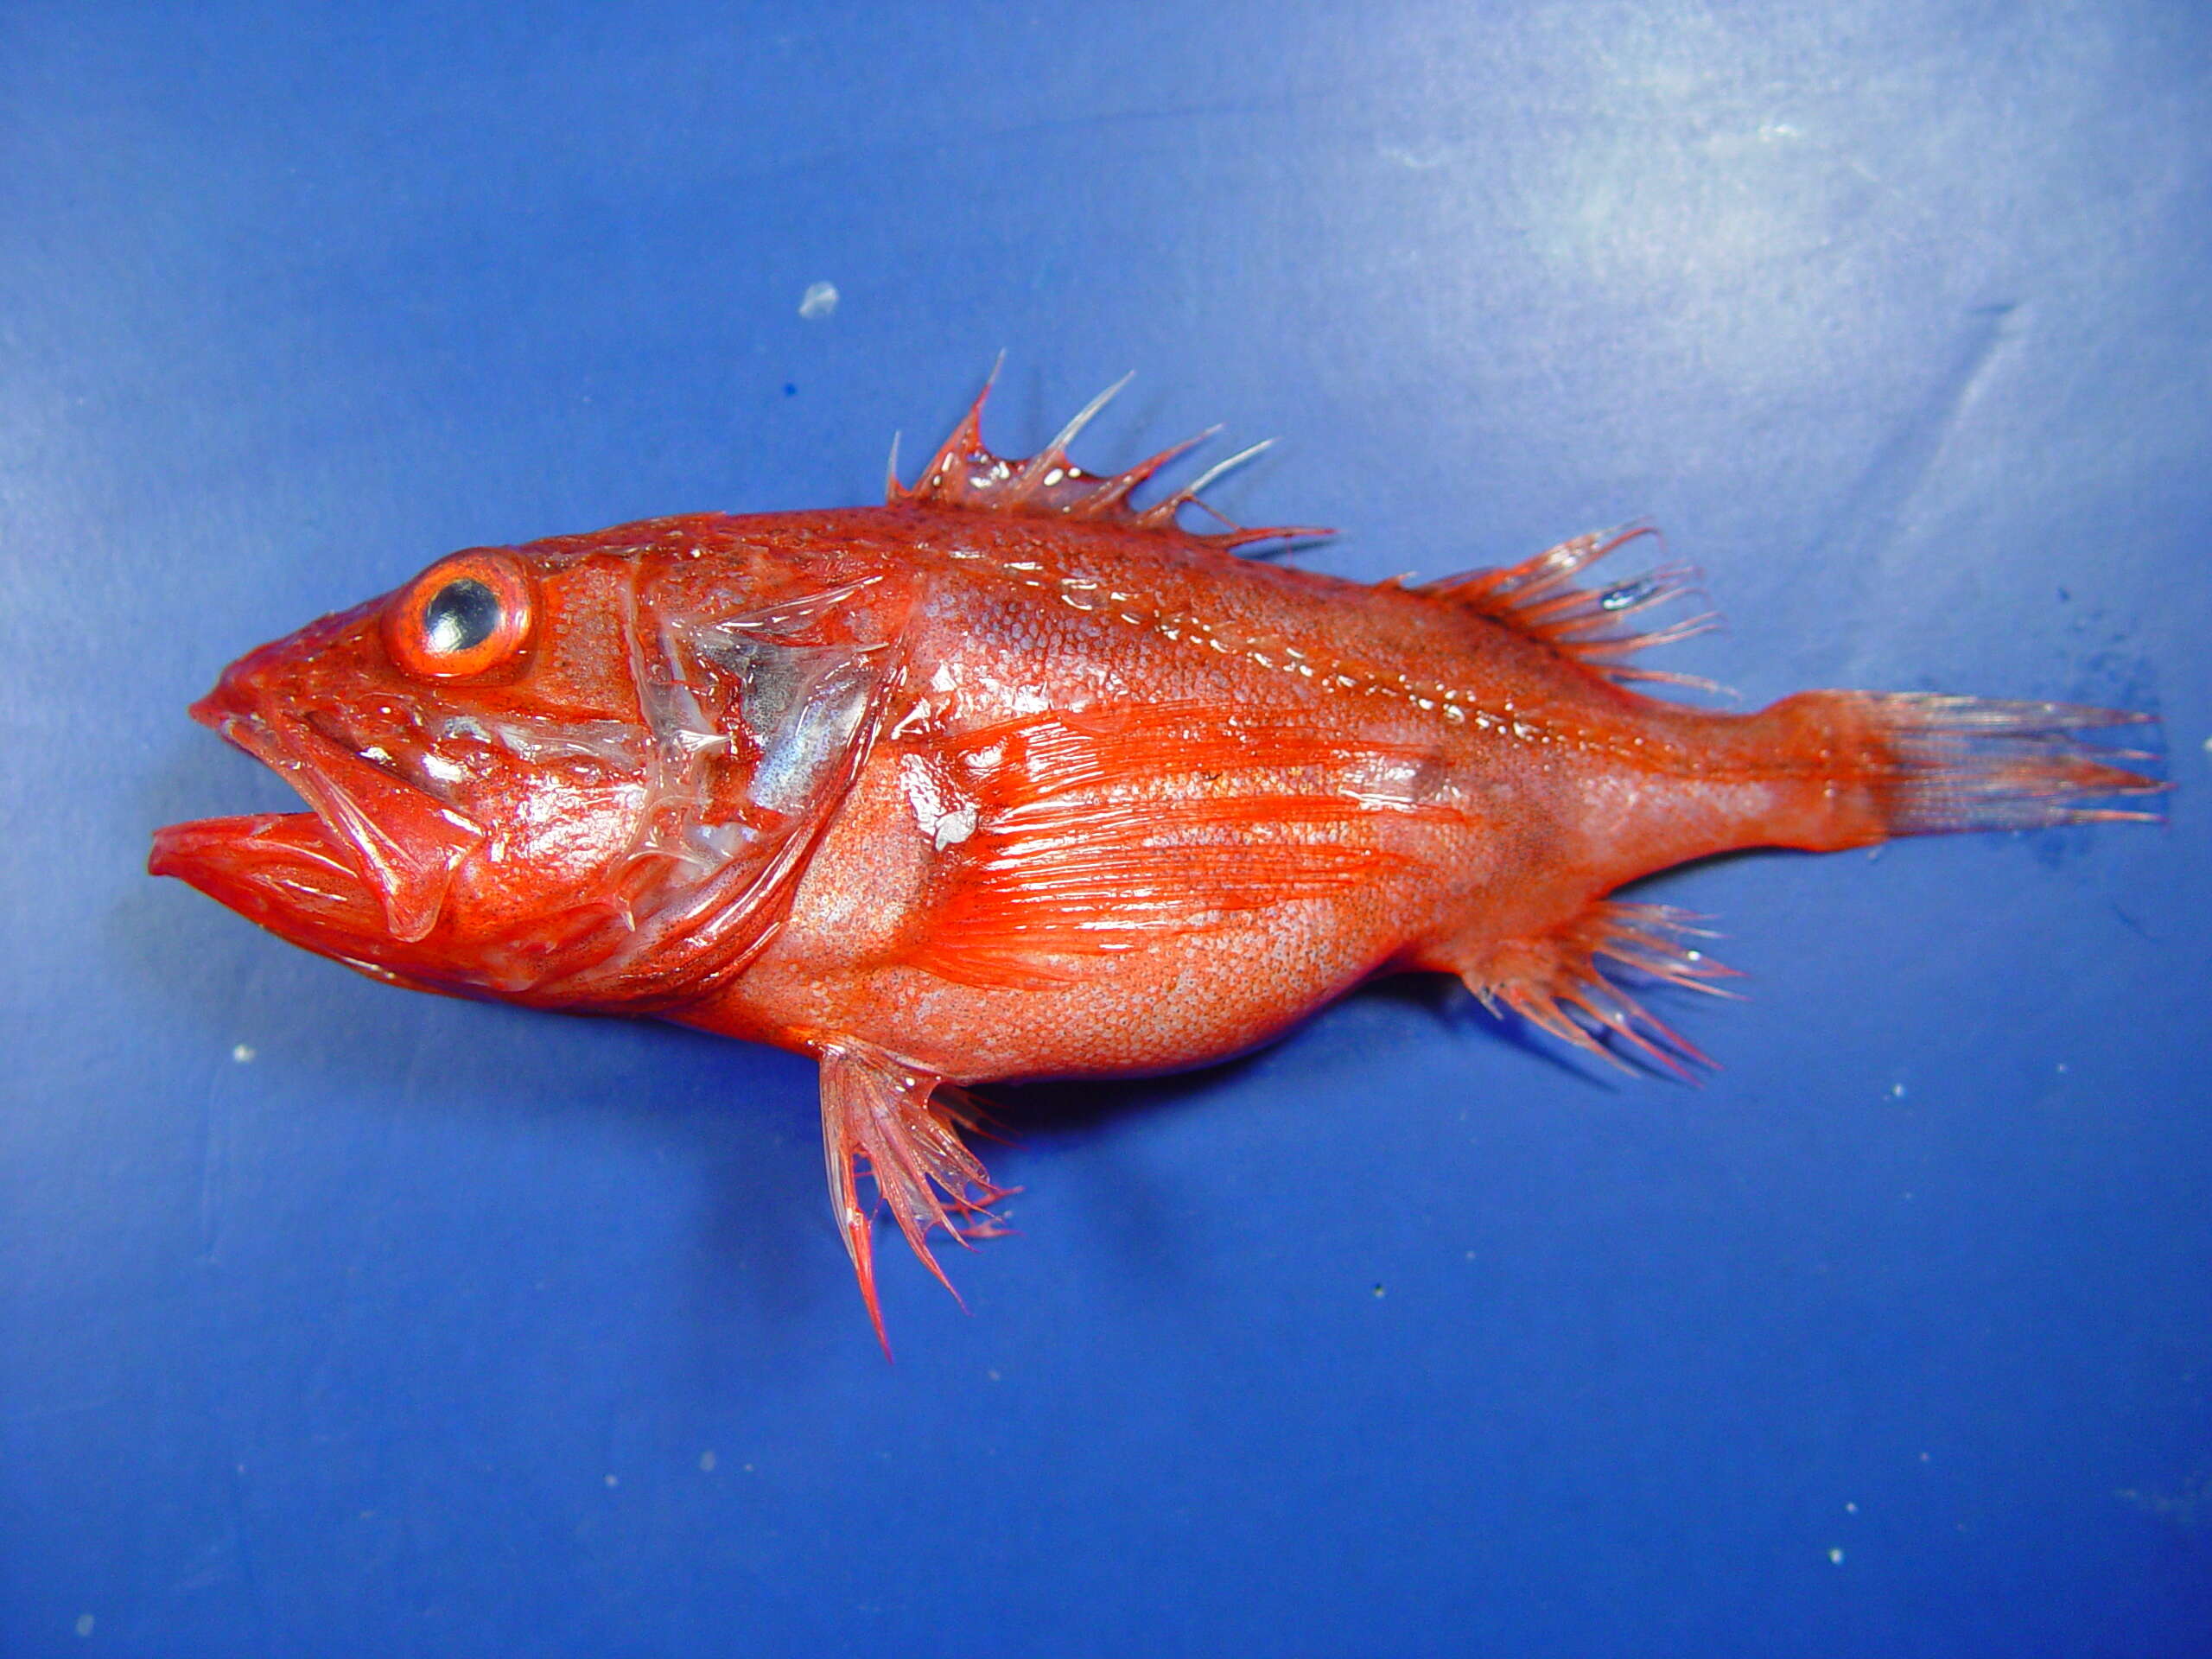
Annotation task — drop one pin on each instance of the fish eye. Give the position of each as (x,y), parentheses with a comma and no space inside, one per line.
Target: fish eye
(466,615)
(460,616)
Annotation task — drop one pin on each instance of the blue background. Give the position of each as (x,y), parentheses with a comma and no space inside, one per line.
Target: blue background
(339,1320)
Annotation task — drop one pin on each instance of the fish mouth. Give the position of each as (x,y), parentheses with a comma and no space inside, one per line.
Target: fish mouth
(370,865)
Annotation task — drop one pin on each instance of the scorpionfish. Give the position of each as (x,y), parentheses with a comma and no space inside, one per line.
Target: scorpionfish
(1011,777)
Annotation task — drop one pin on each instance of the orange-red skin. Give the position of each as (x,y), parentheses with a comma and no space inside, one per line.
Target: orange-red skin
(1555,786)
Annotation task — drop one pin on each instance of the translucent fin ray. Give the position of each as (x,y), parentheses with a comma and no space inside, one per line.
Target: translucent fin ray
(965,472)
(1539,597)
(902,1126)
(1555,983)
(1946,763)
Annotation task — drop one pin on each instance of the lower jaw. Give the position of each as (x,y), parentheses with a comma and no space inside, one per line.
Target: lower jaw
(282,871)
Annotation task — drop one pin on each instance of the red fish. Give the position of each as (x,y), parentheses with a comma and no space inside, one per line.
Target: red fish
(1010,777)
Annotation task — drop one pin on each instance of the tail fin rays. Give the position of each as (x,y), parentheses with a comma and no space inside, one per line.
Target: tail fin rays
(1974,763)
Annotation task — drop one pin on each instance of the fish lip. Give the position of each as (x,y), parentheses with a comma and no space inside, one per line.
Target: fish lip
(227,852)
(282,870)
(181,849)
(396,844)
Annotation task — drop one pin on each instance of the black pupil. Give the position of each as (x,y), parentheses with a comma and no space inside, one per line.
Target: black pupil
(460,616)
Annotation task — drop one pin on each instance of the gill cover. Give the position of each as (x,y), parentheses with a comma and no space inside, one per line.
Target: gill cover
(757,723)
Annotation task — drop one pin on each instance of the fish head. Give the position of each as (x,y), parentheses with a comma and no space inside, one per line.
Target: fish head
(576,774)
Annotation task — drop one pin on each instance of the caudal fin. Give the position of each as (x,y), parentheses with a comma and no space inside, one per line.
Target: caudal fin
(1934,764)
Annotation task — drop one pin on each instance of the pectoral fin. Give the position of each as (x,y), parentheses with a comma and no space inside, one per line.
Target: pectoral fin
(1105,831)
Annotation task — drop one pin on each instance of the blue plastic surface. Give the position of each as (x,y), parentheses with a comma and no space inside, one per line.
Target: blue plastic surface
(339,1320)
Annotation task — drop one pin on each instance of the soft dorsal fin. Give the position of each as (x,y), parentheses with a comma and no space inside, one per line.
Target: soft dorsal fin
(1539,597)
(964,472)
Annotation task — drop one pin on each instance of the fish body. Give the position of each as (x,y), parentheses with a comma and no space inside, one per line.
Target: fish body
(1009,779)
(1145,805)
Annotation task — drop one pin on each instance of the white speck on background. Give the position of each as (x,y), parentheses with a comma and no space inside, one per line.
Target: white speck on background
(1836,1557)
(1419,160)
(818,301)
(706,1463)
(1850,1508)
(1896,1091)
(84,1624)
(242,1053)
(613,1481)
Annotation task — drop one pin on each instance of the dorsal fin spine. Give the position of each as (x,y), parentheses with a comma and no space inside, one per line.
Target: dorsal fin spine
(964,472)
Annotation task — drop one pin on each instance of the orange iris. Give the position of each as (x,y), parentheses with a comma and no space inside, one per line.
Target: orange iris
(466,615)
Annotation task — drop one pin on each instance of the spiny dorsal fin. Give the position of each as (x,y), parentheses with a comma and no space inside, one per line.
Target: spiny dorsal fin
(964,472)
(1538,598)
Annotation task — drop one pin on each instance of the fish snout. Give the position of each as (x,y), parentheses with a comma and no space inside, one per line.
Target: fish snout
(370,832)
(277,676)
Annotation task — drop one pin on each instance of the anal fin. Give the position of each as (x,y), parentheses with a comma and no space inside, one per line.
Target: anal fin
(904,1124)
(1554,981)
